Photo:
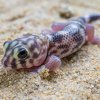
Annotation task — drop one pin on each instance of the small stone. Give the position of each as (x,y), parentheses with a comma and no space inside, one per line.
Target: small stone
(43,72)
(65,12)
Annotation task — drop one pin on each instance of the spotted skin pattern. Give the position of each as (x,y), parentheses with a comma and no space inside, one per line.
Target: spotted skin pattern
(47,49)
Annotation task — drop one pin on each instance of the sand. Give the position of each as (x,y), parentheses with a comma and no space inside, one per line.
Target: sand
(79,76)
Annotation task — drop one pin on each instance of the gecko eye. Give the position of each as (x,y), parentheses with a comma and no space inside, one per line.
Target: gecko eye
(22,53)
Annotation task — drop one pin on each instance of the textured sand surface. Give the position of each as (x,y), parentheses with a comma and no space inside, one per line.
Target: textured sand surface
(79,76)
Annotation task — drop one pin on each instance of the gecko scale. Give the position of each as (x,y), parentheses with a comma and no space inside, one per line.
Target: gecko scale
(47,49)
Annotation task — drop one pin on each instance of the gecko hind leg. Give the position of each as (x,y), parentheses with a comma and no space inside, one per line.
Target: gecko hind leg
(57,26)
(91,37)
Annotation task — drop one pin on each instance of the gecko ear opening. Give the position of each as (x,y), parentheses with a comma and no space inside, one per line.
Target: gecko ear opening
(6,44)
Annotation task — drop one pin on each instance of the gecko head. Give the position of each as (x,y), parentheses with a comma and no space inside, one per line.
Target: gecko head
(24,52)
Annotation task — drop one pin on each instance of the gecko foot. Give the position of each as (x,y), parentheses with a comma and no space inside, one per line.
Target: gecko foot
(57,26)
(92,38)
(52,63)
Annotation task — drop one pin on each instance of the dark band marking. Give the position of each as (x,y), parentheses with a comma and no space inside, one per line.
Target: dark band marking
(78,39)
(8,45)
(51,45)
(5,62)
(57,37)
(65,51)
(62,46)
(31,61)
(23,63)
(35,55)
(52,52)
(13,63)
(93,17)
(33,46)
(11,44)
(81,20)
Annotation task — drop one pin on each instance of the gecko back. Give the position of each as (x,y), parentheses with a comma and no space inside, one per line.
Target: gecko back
(69,39)
(70,36)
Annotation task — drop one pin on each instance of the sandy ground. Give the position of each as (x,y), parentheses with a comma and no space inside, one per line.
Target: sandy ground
(79,76)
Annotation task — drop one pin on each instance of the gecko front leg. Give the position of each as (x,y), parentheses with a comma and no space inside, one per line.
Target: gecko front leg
(52,63)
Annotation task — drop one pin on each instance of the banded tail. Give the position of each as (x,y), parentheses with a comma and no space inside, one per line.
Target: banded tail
(90,18)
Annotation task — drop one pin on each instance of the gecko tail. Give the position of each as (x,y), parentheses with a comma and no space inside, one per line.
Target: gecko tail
(90,18)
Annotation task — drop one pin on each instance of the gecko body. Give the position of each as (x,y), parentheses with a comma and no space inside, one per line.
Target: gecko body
(47,49)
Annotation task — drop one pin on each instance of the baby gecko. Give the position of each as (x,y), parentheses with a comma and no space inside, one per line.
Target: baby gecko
(47,49)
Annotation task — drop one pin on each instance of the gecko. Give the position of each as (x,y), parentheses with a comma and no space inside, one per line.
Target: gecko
(34,51)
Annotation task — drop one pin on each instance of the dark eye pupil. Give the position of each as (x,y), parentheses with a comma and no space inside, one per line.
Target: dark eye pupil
(22,53)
